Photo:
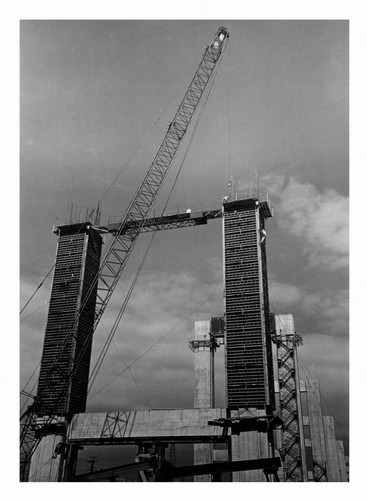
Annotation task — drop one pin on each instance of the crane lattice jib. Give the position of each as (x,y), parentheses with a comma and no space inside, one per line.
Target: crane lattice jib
(120,249)
(124,239)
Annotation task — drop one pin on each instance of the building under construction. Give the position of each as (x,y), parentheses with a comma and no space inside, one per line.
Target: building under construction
(271,427)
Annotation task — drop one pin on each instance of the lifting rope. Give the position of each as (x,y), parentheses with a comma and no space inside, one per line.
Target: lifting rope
(107,344)
(130,371)
(36,290)
(44,279)
(120,249)
(219,289)
(136,150)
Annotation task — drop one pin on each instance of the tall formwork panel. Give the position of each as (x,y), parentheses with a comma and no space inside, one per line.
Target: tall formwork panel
(68,338)
(249,367)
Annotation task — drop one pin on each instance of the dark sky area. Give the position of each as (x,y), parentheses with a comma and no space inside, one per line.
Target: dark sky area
(96,98)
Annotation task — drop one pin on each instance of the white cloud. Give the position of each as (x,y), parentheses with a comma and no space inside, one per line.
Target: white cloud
(325,312)
(330,310)
(326,359)
(319,219)
(332,350)
(283,294)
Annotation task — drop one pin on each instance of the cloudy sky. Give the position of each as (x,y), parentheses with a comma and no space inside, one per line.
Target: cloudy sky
(96,100)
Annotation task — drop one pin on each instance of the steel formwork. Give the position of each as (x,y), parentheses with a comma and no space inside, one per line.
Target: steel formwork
(249,372)
(77,263)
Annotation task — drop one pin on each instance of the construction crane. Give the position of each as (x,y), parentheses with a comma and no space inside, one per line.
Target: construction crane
(122,244)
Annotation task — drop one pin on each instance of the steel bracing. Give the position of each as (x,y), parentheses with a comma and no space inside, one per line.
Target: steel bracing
(320,473)
(124,239)
(289,411)
(133,223)
(163,222)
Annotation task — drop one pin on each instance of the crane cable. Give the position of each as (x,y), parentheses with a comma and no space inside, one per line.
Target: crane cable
(107,344)
(70,378)
(35,310)
(133,285)
(130,158)
(101,199)
(229,120)
(200,114)
(36,290)
(43,465)
(130,371)
(157,342)
(44,279)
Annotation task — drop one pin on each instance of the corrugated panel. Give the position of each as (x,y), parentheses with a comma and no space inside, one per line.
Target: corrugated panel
(77,263)
(248,343)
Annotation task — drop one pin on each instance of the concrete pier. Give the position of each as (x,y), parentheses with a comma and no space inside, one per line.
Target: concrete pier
(203,348)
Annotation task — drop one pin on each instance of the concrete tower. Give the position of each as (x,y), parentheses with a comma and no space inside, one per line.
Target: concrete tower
(249,370)
(67,343)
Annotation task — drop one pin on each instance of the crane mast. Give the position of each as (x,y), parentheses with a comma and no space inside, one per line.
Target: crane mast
(125,236)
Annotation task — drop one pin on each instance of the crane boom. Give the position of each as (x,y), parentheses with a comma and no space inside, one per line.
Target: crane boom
(120,249)
(126,235)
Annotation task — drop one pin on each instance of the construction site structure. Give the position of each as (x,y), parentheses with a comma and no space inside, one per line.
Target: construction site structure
(248,351)
(311,451)
(246,443)
(202,341)
(77,263)
(104,279)
(204,346)
(288,402)
(271,428)
(305,441)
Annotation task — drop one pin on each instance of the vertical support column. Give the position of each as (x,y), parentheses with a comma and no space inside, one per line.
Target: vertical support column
(203,365)
(221,455)
(315,439)
(71,462)
(203,347)
(324,454)
(160,452)
(248,446)
(332,464)
(45,464)
(341,461)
